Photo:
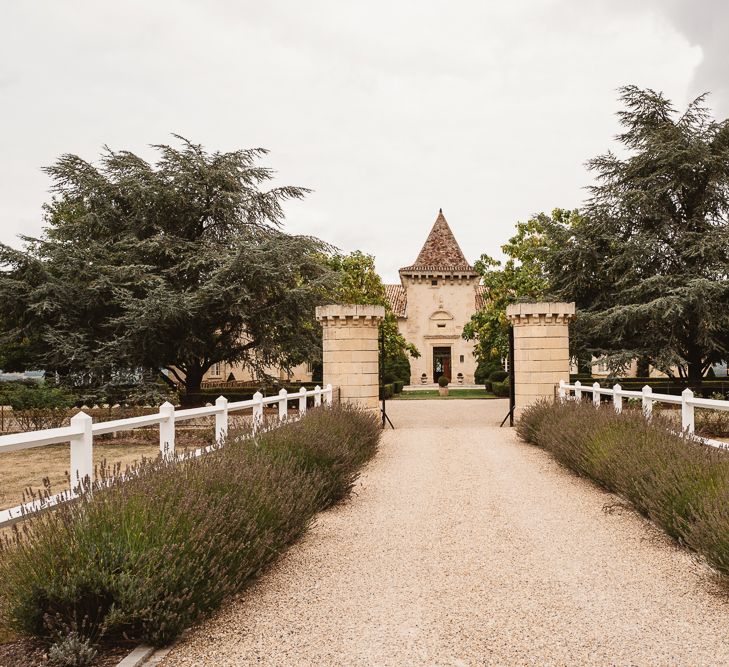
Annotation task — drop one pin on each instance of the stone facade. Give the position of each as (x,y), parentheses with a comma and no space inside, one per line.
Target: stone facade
(437,296)
(541,348)
(351,351)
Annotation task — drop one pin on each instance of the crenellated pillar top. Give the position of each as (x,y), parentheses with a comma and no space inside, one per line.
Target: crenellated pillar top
(541,312)
(349,315)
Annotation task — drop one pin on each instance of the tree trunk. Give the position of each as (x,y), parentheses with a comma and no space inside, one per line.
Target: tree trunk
(695,365)
(193,379)
(643,367)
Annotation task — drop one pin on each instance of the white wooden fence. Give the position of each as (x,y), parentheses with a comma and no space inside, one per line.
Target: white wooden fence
(80,434)
(686,400)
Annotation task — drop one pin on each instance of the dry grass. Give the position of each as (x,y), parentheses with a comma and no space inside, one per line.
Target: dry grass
(28,468)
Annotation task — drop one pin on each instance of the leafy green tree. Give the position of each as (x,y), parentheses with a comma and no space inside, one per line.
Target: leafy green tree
(360,283)
(649,264)
(175,266)
(524,275)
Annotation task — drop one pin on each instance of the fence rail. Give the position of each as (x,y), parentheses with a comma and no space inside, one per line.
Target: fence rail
(686,400)
(80,435)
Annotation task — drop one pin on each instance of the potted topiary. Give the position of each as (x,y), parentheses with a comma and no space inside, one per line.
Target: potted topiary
(443,385)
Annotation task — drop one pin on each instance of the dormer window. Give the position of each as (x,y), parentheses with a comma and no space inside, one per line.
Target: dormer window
(441,326)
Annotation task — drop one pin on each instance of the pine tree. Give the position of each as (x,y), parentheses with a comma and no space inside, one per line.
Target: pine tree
(174,266)
(649,264)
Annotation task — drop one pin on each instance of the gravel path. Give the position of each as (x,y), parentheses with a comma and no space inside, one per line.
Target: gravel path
(464,546)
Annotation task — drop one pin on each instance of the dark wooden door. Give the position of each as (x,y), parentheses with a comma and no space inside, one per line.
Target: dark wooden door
(441,362)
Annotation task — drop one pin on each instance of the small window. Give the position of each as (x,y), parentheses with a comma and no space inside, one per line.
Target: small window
(215,369)
(433,282)
(462,358)
(441,326)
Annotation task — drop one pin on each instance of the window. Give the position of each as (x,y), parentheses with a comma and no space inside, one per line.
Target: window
(462,358)
(441,326)
(215,369)
(433,282)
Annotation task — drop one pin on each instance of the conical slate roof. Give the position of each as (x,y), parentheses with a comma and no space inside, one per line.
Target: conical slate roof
(441,251)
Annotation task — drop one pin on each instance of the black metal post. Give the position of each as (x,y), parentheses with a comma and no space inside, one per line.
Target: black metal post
(380,375)
(512,388)
(512,377)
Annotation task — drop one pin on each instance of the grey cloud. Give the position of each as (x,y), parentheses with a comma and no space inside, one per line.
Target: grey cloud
(388,110)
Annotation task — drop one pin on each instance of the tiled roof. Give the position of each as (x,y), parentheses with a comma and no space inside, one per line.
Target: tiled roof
(397,298)
(480,296)
(441,251)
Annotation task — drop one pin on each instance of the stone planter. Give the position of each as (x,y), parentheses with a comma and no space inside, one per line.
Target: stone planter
(443,391)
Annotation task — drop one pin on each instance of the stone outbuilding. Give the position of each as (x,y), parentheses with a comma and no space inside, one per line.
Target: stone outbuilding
(436,297)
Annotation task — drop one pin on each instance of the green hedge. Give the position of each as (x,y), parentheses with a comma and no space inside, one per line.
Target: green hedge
(209,395)
(386,391)
(147,558)
(500,389)
(397,387)
(673,386)
(681,485)
(484,370)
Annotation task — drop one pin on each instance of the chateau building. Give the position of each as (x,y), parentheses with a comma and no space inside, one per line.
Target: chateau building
(437,296)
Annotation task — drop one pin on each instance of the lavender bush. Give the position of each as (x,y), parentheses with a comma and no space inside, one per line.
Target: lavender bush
(148,557)
(680,484)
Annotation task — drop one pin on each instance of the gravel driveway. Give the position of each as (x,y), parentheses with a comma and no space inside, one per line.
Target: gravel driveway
(464,546)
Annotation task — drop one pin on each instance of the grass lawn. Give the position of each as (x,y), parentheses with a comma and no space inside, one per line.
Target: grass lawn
(433,393)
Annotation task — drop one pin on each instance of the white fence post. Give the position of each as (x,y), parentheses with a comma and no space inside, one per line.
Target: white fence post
(647,402)
(596,394)
(257,411)
(561,392)
(617,398)
(283,405)
(687,411)
(328,395)
(167,430)
(82,452)
(302,401)
(578,390)
(317,396)
(221,419)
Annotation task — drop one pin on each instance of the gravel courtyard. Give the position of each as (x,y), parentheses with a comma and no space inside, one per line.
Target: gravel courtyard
(463,546)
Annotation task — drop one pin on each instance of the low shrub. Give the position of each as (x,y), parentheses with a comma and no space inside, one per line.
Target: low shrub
(386,391)
(680,484)
(148,557)
(397,387)
(396,369)
(712,423)
(498,376)
(38,406)
(500,389)
(484,370)
(443,381)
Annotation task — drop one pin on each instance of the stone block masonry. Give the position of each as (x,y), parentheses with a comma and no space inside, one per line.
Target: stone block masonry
(541,348)
(350,351)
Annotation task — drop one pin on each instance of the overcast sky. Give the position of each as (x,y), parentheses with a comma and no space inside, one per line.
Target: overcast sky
(388,110)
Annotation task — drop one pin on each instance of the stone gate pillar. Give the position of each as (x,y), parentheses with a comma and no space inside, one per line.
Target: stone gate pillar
(541,348)
(351,351)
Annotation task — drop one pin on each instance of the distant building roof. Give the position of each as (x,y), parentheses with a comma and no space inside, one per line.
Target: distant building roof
(480,296)
(397,298)
(441,251)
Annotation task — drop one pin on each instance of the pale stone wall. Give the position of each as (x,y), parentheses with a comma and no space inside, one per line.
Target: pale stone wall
(450,303)
(541,348)
(351,351)
(300,373)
